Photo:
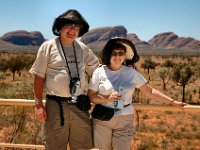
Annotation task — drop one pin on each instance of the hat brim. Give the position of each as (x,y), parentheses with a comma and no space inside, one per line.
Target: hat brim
(60,22)
(129,51)
(68,17)
(130,48)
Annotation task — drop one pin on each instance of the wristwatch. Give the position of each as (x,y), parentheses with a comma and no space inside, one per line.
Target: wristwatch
(37,102)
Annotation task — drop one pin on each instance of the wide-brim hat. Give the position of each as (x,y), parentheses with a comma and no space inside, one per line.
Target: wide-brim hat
(131,52)
(70,16)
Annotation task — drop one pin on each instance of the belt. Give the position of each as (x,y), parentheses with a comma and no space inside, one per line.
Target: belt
(127,105)
(59,99)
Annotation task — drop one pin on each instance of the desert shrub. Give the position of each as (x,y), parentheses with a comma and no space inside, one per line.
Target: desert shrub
(168,112)
(145,116)
(148,143)
(20,126)
(21,90)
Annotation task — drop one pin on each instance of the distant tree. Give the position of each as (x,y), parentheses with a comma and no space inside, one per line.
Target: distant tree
(16,64)
(163,74)
(182,74)
(19,62)
(27,60)
(168,64)
(148,64)
(3,68)
(4,65)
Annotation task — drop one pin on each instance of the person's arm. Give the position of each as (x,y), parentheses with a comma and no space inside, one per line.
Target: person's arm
(157,95)
(38,92)
(38,89)
(102,99)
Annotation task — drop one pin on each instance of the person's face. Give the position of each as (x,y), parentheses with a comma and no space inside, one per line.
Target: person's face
(117,57)
(69,33)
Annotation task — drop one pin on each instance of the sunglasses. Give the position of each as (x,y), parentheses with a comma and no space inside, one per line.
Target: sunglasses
(74,25)
(117,53)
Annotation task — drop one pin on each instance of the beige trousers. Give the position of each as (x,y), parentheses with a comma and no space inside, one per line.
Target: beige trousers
(116,133)
(76,130)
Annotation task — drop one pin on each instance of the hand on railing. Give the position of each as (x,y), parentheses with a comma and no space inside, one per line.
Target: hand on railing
(178,104)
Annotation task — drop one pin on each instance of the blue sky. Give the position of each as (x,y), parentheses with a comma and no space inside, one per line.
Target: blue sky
(145,18)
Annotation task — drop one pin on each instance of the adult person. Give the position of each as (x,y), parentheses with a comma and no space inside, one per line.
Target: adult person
(112,85)
(61,65)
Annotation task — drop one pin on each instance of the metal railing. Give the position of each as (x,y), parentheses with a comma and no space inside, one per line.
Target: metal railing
(26,102)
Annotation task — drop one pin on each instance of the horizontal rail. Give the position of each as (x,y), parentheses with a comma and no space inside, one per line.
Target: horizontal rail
(18,102)
(9,145)
(3,146)
(160,107)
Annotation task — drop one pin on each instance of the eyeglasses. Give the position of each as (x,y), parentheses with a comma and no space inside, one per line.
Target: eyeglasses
(74,25)
(117,53)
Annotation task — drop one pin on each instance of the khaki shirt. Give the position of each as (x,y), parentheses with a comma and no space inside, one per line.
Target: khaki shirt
(51,65)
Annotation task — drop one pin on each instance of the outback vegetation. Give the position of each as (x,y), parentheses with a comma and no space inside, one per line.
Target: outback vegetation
(176,76)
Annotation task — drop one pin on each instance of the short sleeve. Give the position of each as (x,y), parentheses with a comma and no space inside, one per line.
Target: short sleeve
(139,79)
(90,59)
(40,64)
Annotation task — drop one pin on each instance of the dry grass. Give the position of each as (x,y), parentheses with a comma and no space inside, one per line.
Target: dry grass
(167,130)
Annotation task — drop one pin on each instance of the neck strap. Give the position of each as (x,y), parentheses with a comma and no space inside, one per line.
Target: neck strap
(67,61)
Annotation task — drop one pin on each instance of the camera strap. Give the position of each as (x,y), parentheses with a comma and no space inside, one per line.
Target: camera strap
(67,61)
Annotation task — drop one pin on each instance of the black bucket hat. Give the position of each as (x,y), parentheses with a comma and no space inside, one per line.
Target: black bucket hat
(70,16)
(131,52)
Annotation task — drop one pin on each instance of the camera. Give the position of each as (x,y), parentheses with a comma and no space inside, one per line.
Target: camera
(74,88)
